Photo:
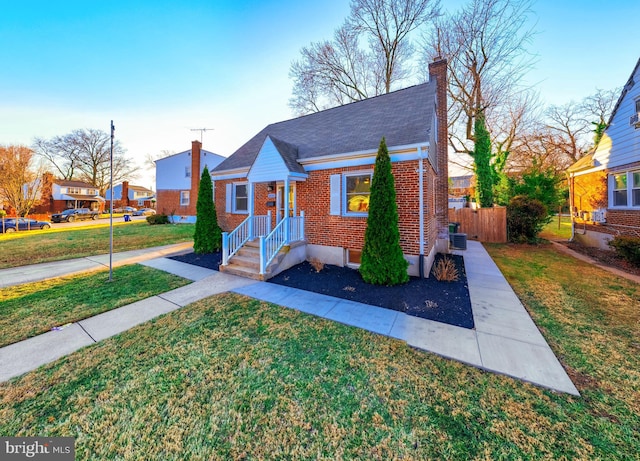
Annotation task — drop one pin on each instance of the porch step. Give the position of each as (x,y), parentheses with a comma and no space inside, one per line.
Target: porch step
(246,262)
(243,271)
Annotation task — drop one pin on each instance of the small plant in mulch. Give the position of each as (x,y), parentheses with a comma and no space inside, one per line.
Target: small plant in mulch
(316,264)
(628,248)
(445,270)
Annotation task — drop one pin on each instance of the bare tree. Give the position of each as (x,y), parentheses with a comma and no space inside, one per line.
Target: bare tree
(85,155)
(332,73)
(485,47)
(561,135)
(387,25)
(340,71)
(20,182)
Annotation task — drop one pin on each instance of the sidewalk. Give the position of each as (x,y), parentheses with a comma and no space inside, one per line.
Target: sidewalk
(505,339)
(45,271)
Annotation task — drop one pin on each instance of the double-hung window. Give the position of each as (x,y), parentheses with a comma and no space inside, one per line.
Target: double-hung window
(635,188)
(357,191)
(625,189)
(184,197)
(620,189)
(240,198)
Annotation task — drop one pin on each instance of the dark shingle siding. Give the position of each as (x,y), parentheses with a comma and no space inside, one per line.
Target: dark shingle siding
(402,117)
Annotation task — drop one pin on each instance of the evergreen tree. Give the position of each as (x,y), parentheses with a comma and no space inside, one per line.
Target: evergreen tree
(482,162)
(382,260)
(208,235)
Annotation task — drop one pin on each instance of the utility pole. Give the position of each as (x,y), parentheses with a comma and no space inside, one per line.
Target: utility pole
(113,129)
(201,130)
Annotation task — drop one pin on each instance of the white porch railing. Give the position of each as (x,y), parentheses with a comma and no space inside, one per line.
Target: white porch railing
(290,229)
(250,228)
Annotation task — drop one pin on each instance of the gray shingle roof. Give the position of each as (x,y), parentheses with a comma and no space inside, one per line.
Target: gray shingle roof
(402,117)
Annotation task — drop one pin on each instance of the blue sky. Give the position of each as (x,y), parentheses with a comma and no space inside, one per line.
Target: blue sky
(161,68)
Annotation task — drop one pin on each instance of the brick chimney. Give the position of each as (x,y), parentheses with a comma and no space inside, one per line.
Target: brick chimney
(196,147)
(438,73)
(124,198)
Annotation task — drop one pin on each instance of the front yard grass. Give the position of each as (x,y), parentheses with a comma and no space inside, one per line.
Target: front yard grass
(234,378)
(35,247)
(34,308)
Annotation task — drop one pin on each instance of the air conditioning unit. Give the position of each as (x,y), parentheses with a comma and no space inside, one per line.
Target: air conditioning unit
(599,216)
(634,120)
(458,241)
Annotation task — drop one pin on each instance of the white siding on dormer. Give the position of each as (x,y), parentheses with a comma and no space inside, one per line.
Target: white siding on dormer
(268,165)
(620,144)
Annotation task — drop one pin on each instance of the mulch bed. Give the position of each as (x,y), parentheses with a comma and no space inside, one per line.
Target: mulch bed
(210,260)
(605,257)
(446,302)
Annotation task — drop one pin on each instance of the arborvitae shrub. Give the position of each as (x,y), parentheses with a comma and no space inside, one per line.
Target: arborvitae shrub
(382,260)
(208,235)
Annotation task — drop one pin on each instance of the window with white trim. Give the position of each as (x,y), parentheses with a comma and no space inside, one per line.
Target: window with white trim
(625,189)
(187,171)
(356,192)
(635,188)
(73,190)
(240,198)
(184,197)
(620,189)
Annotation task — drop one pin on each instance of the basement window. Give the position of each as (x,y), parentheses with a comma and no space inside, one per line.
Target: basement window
(354,257)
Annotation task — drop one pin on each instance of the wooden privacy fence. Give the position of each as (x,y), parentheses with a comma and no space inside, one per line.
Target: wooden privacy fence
(483,224)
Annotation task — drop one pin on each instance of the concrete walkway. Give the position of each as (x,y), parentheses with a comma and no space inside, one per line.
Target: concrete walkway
(45,271)
(505,339)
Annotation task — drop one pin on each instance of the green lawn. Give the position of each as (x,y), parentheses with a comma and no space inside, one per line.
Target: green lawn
(34,247)
(234,378)
(553,231)
(34,308)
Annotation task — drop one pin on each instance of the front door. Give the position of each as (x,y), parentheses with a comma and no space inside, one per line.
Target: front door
(280,201)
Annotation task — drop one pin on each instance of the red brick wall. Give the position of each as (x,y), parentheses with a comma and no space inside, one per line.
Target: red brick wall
(168,202)
(313,197)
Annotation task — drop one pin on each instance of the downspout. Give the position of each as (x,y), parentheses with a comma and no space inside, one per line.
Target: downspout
(421,211)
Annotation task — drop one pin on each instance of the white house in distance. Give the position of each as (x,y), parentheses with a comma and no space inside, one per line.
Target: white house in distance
(125,194)
(605,184)
(178,181)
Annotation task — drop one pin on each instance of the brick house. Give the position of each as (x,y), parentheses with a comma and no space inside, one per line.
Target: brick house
(302,185)
(178,181)
(57,195)
(605,184)
(125,194)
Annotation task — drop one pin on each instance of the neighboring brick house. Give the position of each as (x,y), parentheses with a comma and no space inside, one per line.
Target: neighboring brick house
(605,184)
(57,195)
(313,174)
(178,181)
(125,194)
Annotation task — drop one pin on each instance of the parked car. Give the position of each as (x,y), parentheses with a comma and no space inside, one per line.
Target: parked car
(144,212)
(74,214)
(22,224)
(124,209)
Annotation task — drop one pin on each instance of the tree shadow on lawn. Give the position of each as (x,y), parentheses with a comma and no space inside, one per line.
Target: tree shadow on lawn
(446,302)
